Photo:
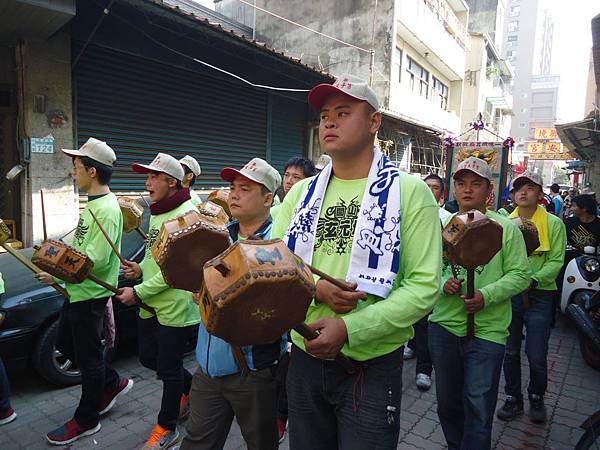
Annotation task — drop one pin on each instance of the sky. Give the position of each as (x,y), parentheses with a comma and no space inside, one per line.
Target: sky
(571,51)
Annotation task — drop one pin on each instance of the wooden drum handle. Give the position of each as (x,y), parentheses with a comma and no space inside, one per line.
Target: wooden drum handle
(141,232)
(470,294)
(115,290)
(349,366)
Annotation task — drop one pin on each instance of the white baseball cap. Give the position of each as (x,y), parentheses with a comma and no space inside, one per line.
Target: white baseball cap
(191,164)
(323,161)
(348,85)
(476,165)
(162,163)
(525,177)
(97,150)
(257,170)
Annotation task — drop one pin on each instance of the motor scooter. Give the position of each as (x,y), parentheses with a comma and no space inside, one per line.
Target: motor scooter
(581,277)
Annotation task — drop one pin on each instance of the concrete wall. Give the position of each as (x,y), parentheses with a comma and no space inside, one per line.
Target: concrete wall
(475,79)
(348,20)
(423,110)
(47,71)
(422,28)
(487,16)
(422,36)
(482,92)
(590,90)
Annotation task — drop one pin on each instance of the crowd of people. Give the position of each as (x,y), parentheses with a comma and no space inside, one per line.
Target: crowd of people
(359,219)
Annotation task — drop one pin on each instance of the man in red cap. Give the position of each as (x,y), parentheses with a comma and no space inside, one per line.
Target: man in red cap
(238,381)
(346,221)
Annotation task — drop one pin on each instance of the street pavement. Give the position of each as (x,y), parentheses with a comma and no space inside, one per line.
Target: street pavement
(573,394)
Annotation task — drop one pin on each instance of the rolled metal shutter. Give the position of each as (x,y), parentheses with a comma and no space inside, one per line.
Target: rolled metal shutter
(288,130)
(142,107)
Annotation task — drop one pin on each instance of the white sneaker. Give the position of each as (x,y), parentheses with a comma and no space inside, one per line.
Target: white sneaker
(409,353)
(423,381)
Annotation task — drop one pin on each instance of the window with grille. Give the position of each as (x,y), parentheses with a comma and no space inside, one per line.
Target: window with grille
(418,78)
(440,93)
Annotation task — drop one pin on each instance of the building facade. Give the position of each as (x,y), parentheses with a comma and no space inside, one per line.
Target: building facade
(138,78)
(488,79)
(416,65)
(528,40)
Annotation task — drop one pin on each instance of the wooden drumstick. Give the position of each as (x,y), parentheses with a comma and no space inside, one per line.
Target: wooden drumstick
(116,250)
(338,283)
(108,239)
(144,199)
(142,233)
(138,229)
(43,215)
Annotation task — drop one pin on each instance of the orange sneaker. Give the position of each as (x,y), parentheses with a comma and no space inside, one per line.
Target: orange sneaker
(184,407)
(161,438)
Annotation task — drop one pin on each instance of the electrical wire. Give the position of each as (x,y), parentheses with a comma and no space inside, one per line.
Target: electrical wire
(204,63)
(304,27)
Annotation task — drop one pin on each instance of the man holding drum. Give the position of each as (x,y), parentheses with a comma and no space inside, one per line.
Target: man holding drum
(82,317)
(219,391)
(162,337)
(360,220)
(536,316)
(467,371)
(192,170)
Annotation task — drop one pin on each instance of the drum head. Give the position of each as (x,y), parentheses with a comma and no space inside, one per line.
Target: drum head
(270,310)
(182,263)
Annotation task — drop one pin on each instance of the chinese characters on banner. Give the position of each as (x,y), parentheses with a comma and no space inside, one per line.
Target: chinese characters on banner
(549,147)
(545,133)
(535,147)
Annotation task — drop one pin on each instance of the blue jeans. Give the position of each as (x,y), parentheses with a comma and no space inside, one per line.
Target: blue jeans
(537,320)
(330,409)
(4,389)
(467,377)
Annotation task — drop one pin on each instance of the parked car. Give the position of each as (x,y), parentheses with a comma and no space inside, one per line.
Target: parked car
(29,314)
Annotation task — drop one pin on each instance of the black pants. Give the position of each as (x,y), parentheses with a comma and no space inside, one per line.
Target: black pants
(420,345)
(161,349)
(79,338)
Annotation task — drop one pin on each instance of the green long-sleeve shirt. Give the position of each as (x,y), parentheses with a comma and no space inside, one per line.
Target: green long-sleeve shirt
(507,274)
(546,265)
(377,326)
(174,307)
(89,240)
(195,198)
